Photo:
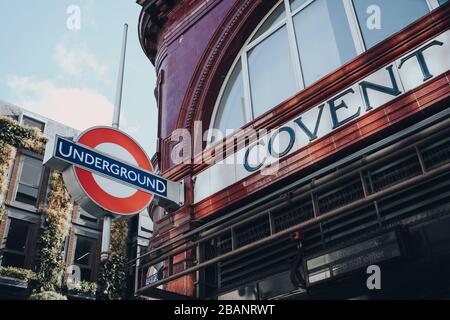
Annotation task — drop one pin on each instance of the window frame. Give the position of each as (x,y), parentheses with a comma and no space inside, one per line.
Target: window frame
(287,21)
(85,222)
(92,257)
(34,118)
(25,252)
(21,159)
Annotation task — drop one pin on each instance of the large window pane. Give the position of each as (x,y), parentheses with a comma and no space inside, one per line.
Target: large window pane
(276,17)
(33,123)
(391,15)
(10,259)
(15,245)
(31,171)
(271,72)
(324,38)
(295,4)
(84,251)
(231,111)
(85,256)
(17,235)
(29,180)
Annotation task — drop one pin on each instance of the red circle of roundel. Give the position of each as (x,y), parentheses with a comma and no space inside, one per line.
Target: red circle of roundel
(124,206)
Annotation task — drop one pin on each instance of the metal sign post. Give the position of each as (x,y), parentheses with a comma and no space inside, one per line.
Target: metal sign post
(107,219)
(108,173)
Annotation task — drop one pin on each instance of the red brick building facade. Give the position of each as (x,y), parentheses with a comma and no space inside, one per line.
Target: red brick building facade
(344,103)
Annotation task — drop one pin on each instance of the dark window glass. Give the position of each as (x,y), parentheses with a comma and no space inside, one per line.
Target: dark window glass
(87,217)
(83,251)
(274,286)
(10,259)
(85,256)
(29,180)
(276,17)
(86,274)
(14,117)
(14,251)
(33,123)
(249,292)
(17,235)
(391,15)
(142,250)
(134,225)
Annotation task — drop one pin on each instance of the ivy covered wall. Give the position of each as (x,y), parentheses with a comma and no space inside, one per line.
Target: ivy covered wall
(49,262)
(112,276)
(17,136)
(7,154)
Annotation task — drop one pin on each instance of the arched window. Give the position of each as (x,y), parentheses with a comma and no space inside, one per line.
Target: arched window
(300,42)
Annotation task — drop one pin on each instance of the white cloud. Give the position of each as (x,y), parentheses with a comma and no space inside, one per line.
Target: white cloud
(75,107)
(126,125)
(132,130)
(79,62)
(89,13)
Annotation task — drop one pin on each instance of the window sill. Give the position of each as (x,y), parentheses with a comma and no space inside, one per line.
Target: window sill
(22,206)
(13,282)
(93,226)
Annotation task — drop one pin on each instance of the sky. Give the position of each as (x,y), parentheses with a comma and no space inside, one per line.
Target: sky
(65,68)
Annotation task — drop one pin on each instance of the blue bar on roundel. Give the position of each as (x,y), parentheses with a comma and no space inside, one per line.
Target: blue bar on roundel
(97,162)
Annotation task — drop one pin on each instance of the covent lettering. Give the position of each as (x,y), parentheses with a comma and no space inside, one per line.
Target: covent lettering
(340,112)
(378,88)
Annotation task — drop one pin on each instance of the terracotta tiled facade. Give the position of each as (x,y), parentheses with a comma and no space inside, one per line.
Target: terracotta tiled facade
(193,45)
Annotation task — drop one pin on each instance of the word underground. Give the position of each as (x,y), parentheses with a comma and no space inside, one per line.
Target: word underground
(107,166)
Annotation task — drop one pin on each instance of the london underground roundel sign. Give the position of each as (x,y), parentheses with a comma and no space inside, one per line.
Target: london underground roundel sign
(107,193)
(106,171)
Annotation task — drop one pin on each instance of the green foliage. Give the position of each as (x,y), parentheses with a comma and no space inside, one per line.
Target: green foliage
(17,136)
(47,295)
(2,212)
(112,279)
(112,276)
(119,233)
(13,135)
(50,261)
(18,273)
(6,154)
(85,288)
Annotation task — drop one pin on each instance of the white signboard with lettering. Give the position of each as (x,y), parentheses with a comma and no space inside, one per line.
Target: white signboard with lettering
(384,85)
